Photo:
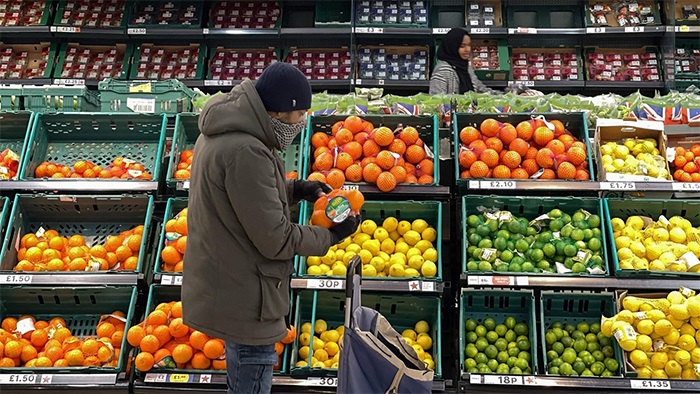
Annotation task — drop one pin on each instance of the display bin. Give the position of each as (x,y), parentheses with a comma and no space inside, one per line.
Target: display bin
(689,45)
(82,308)
(498,304)
(402,312)
(11,98)
(447,14)
(45,13)
(15,128)
(622,52)
(503,71)
(237,10)
(427,126)
(123,50)
(360,6)
(170,97)
(173,207)
(531,208)
(133,6)
(611,17)
(4,213)
(58,19)
(251,71)
(475,11)
(430,211)
(574,307)
(333,13)
(40,56)
(158,294)
(541,50)
(653,208)
(50,98)
(185,135)
(93,217)
(678,15)
(565,15)
(575,122)
(98,137)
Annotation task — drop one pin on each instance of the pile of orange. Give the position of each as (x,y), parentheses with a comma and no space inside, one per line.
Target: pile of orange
(9,164)
(175,242)
(319,218)
(356,151)
(120,168)
(686,165)
(51,343)
(292,175)
(528,150)
(52,252)
(184,166)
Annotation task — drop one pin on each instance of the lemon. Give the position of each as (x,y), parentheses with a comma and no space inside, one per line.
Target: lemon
(423,245)
(638,249)
(675,322)
(410,273)
(660,234)
(667,257)
(625,316)
(431,254)
(365,256)
(641,264)
(396,271)
(398,258)
(639,359)
(693,306)
(388,246)
(622,242)
(645,326)
(673,369)
(331,348)
(617,224)
(321,355)
(368,226)
(313,260)
(659,360)
(429,363)
(419,225)
(422,327)
(394,235)
(339,270)
(410,334)
(412,237)
(390,224)
(304,339)
(429,234)
(347,256)
(663,327)
(655,315)
(682,357)
(654,250)
(657,265)
(627,264)
(687,329)
(428,269)
(360,238)
(659,374)
(320,326)
(404,226)
(624,254)
(644,343)
(644,373)
(329,258)
(646,308)
(695,322)
(314,270)
(607,160)
(694,247)
(304,352)
(606,327)
(416,261)
(677,235)
(378,263)
(401,247)
(424,341)
(686,342)
(369,270)
(689,374)
(679,311)
(420,352)
(635,222)
(695,355)
(672,338)
(338,256)
(384,256)
(631,303)
(380,234)
(373,246)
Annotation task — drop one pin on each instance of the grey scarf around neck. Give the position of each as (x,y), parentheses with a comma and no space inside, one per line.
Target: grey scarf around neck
(284,132)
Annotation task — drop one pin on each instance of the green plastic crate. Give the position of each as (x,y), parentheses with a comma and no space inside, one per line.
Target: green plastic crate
(35,56)
(531,208)
(124,49)
(15,128)
(575,122)
(80,307)
(653,208)
(11,98)
(93,217)
(171,209)
(170,97)
(622,52)
(430,211)
(45,13)
(402,311)
(574,307)
(132,6)
(98,137)
(333,13)
(159,294)
(200,65)
(560,50)
(4,213)
(544,16)
(61,99)
(427,126)
(61,7)
(498,304)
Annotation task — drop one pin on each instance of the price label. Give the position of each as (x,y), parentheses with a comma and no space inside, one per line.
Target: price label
(326,382)
(474,185)
(142,105)
(65,81)
(134,30)
(618,185)
(380,82)
(205,31)
(65,29)
(172,280)
(480,30)
(16,279)
(369,30)
(350,187)
(503,380)
(686,186)
(634,29)
(684,29)
(17,378)
(330,284)
(650,384)
(441,30)
(206,378)
(427,286)
(179,378)
(524,30)
(218,82)
(498,184)
(595,30)
(186,185)
(155,378)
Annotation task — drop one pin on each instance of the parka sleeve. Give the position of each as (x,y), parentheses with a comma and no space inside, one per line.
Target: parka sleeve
(252,190)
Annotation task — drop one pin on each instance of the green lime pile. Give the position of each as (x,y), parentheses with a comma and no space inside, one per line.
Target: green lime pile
(580,350)
(501,349)
(553,242)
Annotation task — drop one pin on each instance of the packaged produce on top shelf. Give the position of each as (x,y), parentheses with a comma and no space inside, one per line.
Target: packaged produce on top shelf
(395,63)
(356,151)
(244,14)
(22,12)
(167,13)
(534,149)
(93,62)
(91,13)
(622,13)
(9,164)
(484,14)
(32,343)
(545,65)
(485,57)
(501,348)
(23,61)
(238,64)
(685,163)
(321,63)
(687,60)
(659,333)
(166,62)
(391,12)
(612,65)
(686,11)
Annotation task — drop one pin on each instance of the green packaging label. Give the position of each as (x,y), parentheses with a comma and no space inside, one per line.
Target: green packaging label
(338,209)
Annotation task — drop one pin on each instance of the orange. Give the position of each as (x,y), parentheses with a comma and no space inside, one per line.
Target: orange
(144,361)
(54,353)
(386,181)
(466,158)
(695,177)
(90,347)
(370,148)
(409,135)
(316,176)
(104,354)
(78,264)
(149,343)
(214,348)
(163,334)
(507,133)
(543,135)
(398,146)
(198,339)
(477,147)
(479,169)
(501,171)
(353,123)
(9,324)
(556,146)
(494,143)
(279,348)
(335,178)
(176,310)
(181,225)
(525,130)
(182,353)
(371,172)
(291,334)
(545,158)
(218,365)
(161,354)
(414,154)
(582,175)
(34,254)
(123,252)
(332,143)
(566,170)
(170,255)
(61,334)
(356,199)
(558,127)
(105,330)
(519,173)
(112,243)
(75,357)
(344,136)
(576,155)
(679,161)
(319,139)
(200,361)
(385,160)
(178,329)
(76,240)
(40,171)
(411,178)
(7,362)
(116,338)
(695,149)
(319,218)
(28,353)
(548,174)
(511,159)
(690,167)
(567,140)
(61,363)
(383,136)
(426,179)
(490,127)
(343,161)
(324,161)
(353,173)
(130,264)
(39,337)
(135,335)
(361,137)
(40,325)
(367,127)
(353,149)
(57,322)
(43,362)
(157,318)
(134,242)
(56,243)
(490,157)
(469,134)
(426,166)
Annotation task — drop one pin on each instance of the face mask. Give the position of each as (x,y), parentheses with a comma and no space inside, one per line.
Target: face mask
(284,132)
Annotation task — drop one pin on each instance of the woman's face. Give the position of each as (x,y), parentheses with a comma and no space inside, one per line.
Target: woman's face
(466,48)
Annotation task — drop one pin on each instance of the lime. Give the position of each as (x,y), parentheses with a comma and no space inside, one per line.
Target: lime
(510,336)
(577,268)
(485,243)
(474,239)
(579,366)
(608,351)
(538,245)
(595,327)
(510,322)
(480,331)
(470,325)
(606,374)
(567,341)
(513,351)
(555,213)
(474,221)
(481,358)
(591,337)
(597,368)
(522,245)
(602,339)
(492,364)
(501,267)
(506,256)
(516,371)
(588,360)
(514,227)
(471,337)
(537,254)
(558,331)
(566,231)
(501,344)
(583,354)
(570,250)
(481,344)
(483,230)
(500,244)
(511,361)
(485,266)
(525,356)
(476,253)
(598,355)
(501,330)
(587,234)
(469,364)
(587,372)
(580,244)
(611,365)
(490,324)
(553,370)
(549,250)
(595,244)
(558,347)
(577,335)
(578,216)
(502,369)
(518,260)
(491,336)
(556,362)
(524,345)
(577,235)
(556,225)
(528,267)
(471,351)
(566,217)
(472,266)
(551,355)
(569,262)
(550,337)
(520,329)
(594,221)
(503,234)
(559,245)
(569,356)
(502,357)
(566,369)
(484,369)
(580,345)
(515,267)
(522,364)
(543,264)
(592,346)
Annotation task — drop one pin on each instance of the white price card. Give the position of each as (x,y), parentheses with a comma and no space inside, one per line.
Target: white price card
(218,82)
(595,30)
(634,29)
(480,30)
(155,378)
(325,381)
(69,81)
(142,105)
(65,29)
(503,380)
(350,187)
(686,186)
(19,378)
(475,379)
(369,30)
(186,185)
(474,185)
(650,384)
(174,280)
(498,184)
(18,279)
(427,286)
(441,30)
(135,31)
(331,284)
(618,186)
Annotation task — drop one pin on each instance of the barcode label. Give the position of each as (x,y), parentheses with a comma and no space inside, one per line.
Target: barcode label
(141,105)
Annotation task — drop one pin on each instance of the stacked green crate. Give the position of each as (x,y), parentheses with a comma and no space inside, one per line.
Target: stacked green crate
(11,98)
(16,128)
(60,98)
(168,97)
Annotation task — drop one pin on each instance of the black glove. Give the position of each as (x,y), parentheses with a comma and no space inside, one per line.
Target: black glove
(345,228)
(309,190)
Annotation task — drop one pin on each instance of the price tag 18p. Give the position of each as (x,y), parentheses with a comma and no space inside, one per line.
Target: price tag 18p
(503,380)
(650,384)
(325,284)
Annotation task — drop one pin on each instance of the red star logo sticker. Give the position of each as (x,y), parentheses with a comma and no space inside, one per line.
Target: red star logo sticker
(46,379)
(530,380)
(204,379)
(414,286)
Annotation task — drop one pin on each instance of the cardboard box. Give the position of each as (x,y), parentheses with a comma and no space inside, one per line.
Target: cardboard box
(483,13)
(615,130)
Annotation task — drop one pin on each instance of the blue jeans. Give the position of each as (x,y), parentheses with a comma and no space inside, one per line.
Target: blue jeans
(249,368)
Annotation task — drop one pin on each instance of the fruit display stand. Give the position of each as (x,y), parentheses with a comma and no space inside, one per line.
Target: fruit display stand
(50,98)
(160,275)
(89,220)
(81,309)
(15,127)
(118,145)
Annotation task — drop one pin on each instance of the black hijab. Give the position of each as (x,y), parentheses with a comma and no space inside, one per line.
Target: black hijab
(449,52)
